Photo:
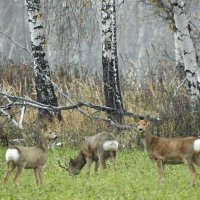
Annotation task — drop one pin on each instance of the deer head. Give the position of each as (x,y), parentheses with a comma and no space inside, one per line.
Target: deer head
(73,168)
(142,125)
(50,135)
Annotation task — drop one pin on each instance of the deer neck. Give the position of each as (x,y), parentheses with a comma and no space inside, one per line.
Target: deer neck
(146,139)
(43,143)
(79,161)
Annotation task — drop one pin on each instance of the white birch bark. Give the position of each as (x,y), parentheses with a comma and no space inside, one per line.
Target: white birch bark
(178,54)
(44,88)
(188,51)
(178,57)
(109,58)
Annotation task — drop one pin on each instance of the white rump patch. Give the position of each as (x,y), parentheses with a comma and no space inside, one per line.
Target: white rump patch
(12,154)
(196,145)
(111,145)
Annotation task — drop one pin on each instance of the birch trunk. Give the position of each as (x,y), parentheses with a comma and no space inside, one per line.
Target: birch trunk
(188,51)
(178,57)
(44,88)
(112,91)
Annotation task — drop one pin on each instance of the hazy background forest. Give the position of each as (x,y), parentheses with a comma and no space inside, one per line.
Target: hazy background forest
(73,29)
(150,83)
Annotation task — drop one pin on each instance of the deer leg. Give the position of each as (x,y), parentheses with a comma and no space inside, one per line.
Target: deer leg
(193,171)
(17,175)
(102,161)
(40,175)
(96,165)
(37,178)
(88,164)
(160,170)
(113,158)
(11,167)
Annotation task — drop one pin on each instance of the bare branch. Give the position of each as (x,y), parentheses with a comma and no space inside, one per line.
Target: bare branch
(27,102)
(119,127)
(22,116)
(19,45)
(10,117)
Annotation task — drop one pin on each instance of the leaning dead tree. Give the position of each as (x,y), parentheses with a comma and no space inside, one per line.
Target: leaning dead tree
(112,90)
(21,103)
(44,88)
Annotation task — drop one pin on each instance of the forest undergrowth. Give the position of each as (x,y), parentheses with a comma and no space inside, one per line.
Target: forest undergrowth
(161,94)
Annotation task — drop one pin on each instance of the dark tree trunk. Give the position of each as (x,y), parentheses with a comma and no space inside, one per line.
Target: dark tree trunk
(112,91)
(44,88)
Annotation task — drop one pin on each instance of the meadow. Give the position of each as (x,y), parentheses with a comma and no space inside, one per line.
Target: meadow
(136,175)
(135,178)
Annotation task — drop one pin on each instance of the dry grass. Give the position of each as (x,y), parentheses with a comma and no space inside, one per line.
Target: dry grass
(153,95)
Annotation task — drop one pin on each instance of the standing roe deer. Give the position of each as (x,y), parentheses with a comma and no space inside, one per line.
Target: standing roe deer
(170,150)
(29,158)
(96,148)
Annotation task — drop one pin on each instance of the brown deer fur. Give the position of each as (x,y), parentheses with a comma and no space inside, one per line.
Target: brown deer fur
(94,149)
(170,151)
(29,158)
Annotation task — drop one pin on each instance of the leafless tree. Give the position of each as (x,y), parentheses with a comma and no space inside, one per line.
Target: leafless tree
(44,88)
(112,90)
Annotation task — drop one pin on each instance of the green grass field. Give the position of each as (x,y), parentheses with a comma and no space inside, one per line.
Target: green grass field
(135,178)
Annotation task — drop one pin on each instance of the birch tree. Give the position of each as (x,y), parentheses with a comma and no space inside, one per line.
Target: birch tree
(188,51)
(178,55)
(44,88)
(174,12)
(112,91)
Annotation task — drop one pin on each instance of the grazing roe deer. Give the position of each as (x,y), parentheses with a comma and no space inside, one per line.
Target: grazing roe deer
(170,150)
(29,158)
(97,148)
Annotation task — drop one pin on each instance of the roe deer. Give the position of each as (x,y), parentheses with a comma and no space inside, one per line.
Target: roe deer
(96,148)
(170,150)
(29,158)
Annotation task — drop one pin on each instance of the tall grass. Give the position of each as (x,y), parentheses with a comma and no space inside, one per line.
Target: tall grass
(158,94)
